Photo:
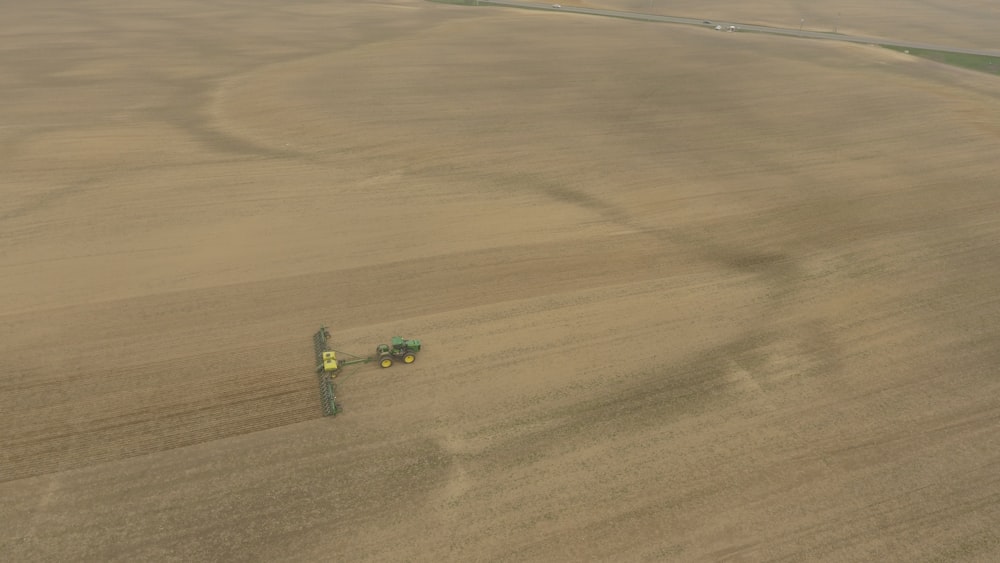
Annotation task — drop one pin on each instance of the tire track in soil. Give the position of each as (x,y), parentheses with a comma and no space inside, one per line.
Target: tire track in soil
(122,401)
(184,422)
(103,417)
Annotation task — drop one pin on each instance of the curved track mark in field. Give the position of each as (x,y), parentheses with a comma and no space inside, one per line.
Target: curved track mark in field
(731,256)
(189,110)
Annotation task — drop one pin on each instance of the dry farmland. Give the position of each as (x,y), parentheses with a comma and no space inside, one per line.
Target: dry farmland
(684,295)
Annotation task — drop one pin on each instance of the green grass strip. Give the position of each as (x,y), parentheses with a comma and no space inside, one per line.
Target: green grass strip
(982,63)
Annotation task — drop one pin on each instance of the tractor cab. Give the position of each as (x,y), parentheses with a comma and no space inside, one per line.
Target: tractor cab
(398,347)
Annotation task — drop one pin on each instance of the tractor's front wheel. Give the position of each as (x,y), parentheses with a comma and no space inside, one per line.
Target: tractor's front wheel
(409,358)
(385,361)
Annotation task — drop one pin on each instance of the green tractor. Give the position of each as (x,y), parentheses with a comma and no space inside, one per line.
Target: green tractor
(400,348)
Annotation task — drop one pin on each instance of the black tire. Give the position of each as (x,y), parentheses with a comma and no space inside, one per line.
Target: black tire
(385,361)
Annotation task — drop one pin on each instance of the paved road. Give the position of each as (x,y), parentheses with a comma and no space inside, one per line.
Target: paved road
(744,27)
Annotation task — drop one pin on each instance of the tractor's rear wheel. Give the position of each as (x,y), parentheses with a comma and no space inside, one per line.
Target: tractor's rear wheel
(385,361)
(409,358)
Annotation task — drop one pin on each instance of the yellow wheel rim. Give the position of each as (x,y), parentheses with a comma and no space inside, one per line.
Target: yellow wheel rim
(386,363)
(409,359)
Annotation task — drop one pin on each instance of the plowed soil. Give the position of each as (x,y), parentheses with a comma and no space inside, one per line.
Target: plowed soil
(684,295)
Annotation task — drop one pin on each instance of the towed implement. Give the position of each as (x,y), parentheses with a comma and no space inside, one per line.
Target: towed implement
(329,365)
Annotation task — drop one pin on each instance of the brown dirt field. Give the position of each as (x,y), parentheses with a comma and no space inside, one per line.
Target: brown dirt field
(684,295)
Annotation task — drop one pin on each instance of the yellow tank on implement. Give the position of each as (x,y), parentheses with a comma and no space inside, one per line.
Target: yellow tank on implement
(330,361)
